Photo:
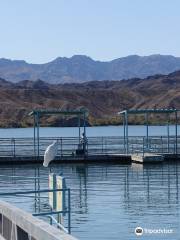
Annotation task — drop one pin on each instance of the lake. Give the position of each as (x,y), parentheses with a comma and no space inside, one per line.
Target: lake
(91,131)
(108,200)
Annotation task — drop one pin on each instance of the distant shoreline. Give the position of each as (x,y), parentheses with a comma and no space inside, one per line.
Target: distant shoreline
(95,125)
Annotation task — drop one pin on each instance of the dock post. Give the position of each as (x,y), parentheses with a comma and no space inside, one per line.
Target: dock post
(147,131)
(168,132)
(79,127)
(124,133)
(84,124)
(61,148)
(37,120)
(69,211)
(127,142)
(85,139)
(162,150)
(102,139)
(143,146)
(34,116)
(176,130)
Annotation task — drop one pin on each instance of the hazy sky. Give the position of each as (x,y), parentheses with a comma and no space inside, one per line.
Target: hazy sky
(41,30)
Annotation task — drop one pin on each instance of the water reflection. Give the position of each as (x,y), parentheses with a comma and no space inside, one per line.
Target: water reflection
(82,173)
(109,200)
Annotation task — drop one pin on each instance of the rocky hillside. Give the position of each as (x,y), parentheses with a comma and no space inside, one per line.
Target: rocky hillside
(103,99)
(78,69)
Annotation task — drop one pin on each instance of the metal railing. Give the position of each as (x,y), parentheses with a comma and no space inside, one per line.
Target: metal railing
(50,212)
(67,146)
(159,145)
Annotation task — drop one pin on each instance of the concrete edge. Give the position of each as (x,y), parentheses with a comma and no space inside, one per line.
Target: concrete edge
(35,227)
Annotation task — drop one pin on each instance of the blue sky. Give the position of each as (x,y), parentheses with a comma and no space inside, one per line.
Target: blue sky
(41,30)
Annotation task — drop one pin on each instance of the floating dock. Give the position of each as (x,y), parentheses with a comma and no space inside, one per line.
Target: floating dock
(116,158)
(147,158)
(98,150)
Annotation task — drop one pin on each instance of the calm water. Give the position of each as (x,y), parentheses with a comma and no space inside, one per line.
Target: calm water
(91,131)
(108,201)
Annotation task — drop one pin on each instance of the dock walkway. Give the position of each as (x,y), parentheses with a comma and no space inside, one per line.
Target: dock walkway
(98,149)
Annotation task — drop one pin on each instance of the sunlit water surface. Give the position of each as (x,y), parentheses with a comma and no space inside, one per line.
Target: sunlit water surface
(108,201)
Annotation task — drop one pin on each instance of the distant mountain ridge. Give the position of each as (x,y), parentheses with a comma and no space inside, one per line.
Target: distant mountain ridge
(80,68)
(103,99)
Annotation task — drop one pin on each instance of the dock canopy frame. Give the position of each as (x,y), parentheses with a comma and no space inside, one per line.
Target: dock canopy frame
(37,113)
(146,112)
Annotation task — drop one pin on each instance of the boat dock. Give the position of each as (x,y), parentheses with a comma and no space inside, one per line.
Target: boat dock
(85,149)
(98,150)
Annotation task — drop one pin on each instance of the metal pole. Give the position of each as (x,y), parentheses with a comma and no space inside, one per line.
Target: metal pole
(168,132)
(79,126)
(34,135)
(85,139)
(69,211)
(176,129)
(143,146)
(35,187)
(162,145)
(61,148)
(38,132)
(39,195)
(147,131)
(84,124)
(124,133)
(148,185)
(127,142)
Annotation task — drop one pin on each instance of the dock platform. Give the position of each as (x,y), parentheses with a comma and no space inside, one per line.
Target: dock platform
(98,150)
(111,158)
(147,158)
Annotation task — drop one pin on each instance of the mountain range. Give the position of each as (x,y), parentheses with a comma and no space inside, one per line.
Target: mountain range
(103,99)
(80,68)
